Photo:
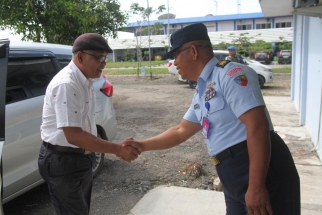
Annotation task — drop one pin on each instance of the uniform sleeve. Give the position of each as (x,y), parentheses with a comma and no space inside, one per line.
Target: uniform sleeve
(240,88)
(67,105)
(190,115)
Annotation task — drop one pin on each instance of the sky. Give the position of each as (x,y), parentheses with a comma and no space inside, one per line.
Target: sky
(181,8)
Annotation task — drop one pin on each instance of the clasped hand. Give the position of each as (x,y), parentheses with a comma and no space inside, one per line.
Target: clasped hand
(129,150)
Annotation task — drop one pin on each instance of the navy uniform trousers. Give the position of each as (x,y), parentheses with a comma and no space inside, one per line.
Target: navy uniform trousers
(282,181)
(69,177)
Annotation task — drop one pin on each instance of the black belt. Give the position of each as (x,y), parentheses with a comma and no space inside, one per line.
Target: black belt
(227,153)
(63,148)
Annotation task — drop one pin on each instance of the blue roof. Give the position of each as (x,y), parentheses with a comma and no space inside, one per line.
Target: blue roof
(201,19)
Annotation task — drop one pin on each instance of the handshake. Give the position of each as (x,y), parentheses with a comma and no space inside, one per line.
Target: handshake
(129,150)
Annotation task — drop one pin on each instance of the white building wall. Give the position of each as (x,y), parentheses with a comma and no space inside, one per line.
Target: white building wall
(307,75)
(211,26)
(283,19)
(259,21)
(297,62)
(226,26)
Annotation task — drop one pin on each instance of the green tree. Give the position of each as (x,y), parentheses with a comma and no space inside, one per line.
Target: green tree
(61,21)
(129,55)
(143,13)
(260,45)
(222,46)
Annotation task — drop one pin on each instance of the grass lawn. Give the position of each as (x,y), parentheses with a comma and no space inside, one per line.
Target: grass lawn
(134,71)
(133,64)
(282,70)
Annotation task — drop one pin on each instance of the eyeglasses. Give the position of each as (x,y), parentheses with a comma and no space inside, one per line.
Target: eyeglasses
(100,58)
(176,53)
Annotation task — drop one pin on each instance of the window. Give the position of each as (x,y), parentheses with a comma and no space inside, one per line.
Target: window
(160,32)
(142,33)
(244,27)
(63,60)
(145,32)
(263,26)
(28,78)
(283,24)
(220,56)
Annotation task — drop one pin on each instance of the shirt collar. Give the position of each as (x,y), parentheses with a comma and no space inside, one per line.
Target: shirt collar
(80,76)
(206,72)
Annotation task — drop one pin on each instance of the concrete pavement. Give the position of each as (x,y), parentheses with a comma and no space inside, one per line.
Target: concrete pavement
(178,200)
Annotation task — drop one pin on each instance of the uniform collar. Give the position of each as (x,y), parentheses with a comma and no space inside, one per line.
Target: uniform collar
(206,72)
(80,76)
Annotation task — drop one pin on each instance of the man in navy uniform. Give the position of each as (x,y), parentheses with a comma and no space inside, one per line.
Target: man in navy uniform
(253,163)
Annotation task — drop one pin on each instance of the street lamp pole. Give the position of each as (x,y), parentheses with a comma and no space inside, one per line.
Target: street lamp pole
(168,28)
(149,39)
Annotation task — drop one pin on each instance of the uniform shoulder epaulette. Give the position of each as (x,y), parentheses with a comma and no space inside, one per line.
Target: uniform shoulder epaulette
(222,63)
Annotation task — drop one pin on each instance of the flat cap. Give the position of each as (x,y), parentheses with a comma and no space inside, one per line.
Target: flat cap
(189,33)
(231,48)
(91,41)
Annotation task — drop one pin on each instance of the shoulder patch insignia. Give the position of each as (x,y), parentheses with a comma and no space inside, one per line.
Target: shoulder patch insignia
(241,80)
(234,71)
(222,63)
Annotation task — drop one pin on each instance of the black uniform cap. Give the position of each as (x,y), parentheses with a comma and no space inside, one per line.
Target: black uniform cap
(91,41)
(187,34)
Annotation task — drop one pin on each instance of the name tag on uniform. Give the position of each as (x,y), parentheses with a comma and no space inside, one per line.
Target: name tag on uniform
(205,126)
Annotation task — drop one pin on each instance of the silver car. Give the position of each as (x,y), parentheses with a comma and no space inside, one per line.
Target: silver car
(31,66)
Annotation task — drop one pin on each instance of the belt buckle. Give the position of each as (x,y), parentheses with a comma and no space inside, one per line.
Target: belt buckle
(214,160)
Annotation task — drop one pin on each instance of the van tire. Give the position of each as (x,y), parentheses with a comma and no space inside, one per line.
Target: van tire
(261,81)
(192,84)
(99,157)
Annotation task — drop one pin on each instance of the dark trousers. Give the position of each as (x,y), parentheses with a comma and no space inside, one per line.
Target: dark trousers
(69,177)
(282,181)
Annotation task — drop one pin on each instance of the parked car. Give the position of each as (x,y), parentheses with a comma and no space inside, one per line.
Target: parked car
(173,70)
(4,50)
(31,66)
(285,57)
(263,57)
(265,74)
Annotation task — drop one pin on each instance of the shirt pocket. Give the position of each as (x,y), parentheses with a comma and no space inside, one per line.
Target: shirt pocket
(220,114)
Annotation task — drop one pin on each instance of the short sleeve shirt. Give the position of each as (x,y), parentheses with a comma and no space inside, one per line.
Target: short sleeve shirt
(230,89)
(69,102)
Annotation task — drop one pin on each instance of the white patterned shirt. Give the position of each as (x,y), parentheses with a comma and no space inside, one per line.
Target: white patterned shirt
(69,102)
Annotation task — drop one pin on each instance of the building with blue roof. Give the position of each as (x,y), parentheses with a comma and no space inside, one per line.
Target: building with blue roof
(220,29)
(231,22)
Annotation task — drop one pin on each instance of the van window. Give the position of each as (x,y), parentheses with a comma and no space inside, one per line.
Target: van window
(63,60)
(220,56)
(28,78)
(63,63)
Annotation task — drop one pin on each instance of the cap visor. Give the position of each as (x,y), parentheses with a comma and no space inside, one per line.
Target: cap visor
(168,55)
(109,50)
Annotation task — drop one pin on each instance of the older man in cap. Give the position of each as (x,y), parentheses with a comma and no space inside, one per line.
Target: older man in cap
(69,132)
(234,57)
(253,163)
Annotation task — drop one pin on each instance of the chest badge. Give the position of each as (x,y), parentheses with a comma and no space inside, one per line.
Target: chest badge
(210,94)
(210,85)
